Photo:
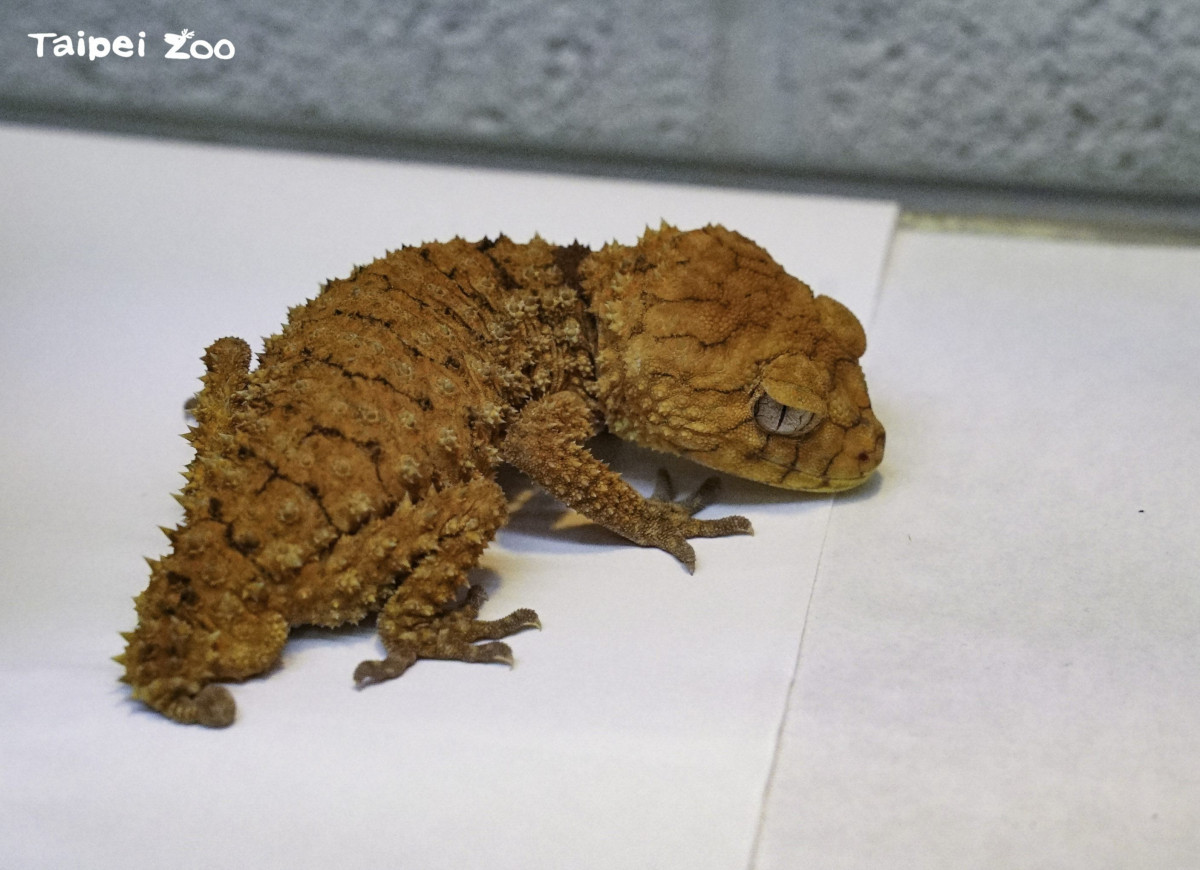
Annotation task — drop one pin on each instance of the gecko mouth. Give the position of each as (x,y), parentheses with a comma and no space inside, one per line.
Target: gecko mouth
(839,484)
(793,478)
(850,465)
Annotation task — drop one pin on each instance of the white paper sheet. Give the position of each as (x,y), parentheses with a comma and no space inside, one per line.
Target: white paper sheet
(1001,666)
(637,729)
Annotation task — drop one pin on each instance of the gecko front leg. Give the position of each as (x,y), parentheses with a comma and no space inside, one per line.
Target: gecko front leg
(546,442)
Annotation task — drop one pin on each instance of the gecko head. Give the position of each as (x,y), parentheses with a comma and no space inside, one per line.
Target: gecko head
(710,350)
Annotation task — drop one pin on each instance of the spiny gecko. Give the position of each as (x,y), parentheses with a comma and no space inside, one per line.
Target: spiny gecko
(351,472)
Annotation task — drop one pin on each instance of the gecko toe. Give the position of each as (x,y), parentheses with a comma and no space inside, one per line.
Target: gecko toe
(684,552)
(369,672)
(664,487)
(719,528)
(706,493)
(493,653)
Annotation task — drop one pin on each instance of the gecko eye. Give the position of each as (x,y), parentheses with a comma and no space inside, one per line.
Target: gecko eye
(776,419)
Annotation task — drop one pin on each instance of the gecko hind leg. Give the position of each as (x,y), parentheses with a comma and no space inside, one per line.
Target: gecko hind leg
(428,617)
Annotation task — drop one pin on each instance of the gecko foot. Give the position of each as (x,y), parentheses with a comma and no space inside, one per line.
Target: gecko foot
(670,523)
(452,636)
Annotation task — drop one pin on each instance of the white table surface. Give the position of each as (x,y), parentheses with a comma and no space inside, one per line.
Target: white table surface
(638,729)
(1001,664)
(986,658)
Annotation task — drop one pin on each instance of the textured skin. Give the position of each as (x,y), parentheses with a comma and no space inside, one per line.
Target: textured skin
(352,471)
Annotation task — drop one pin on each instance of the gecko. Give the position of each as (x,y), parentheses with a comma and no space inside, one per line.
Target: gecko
(351,472)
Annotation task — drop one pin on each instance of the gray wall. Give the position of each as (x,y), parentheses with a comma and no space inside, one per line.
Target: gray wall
(1093,101)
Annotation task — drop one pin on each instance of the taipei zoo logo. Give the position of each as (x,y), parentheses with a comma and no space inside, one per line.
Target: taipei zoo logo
(180,46)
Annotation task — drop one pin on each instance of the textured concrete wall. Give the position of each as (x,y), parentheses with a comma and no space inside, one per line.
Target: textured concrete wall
(1092,95)
(1101,94)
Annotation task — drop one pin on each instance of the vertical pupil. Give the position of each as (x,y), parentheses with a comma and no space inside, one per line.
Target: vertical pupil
(776,417)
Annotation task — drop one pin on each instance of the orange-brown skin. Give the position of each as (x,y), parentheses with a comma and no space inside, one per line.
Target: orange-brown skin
(351,472)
